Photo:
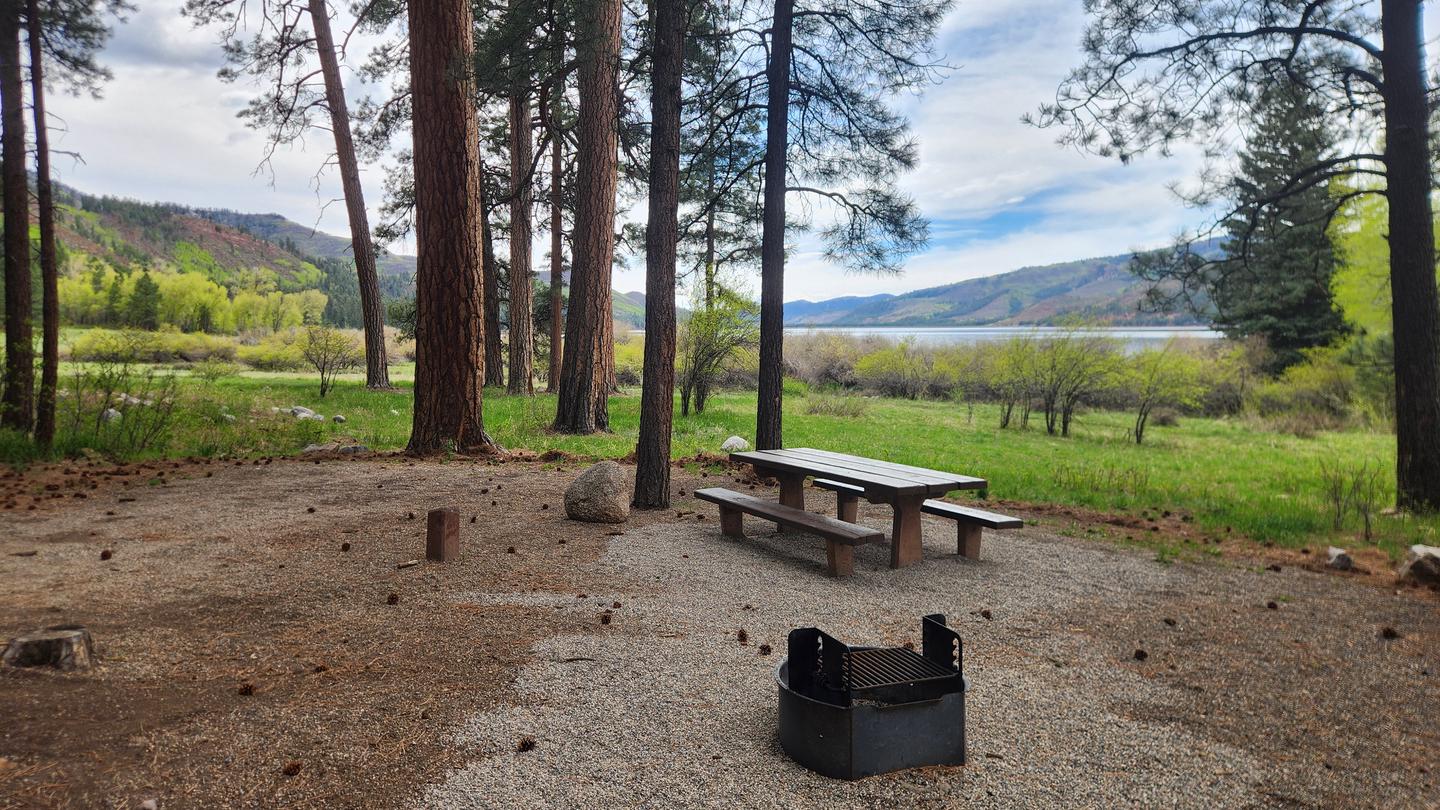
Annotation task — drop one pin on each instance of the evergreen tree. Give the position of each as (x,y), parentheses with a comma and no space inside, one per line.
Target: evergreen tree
(1275,278)
(143,309)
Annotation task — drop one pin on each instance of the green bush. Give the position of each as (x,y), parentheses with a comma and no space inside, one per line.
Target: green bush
(101,345)
(281,351)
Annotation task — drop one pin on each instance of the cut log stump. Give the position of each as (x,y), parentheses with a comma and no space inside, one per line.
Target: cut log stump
(65,648)
(442,535)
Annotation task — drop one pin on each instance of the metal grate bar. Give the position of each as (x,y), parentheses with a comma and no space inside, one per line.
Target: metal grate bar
(868,669)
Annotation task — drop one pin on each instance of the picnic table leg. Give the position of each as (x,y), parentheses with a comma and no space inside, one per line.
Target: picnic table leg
(839,559)
(905,545)
(792,490)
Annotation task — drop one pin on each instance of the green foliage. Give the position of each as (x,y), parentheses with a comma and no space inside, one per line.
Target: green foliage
(1161,378)
(710,341)
(330,352)
(1276,279)
(280,351)
(902,370)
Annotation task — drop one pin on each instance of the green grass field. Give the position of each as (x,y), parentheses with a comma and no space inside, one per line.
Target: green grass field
(1227,474)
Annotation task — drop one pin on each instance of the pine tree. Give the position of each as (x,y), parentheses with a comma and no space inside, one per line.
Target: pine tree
(143,309)
(1275,281)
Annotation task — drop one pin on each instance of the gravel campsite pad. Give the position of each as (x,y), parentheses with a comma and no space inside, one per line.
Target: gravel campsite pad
(563,665)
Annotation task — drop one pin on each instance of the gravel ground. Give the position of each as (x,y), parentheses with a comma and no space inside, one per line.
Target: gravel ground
(1236,704)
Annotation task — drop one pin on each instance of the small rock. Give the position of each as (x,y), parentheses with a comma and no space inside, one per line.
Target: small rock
(301,412)
(150,804)
(735,444)
(1339,559)
(352,449)
(110,415)
(599,495)
(1422,564)
(338,419)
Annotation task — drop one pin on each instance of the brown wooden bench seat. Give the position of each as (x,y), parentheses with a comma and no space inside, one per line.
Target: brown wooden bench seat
(840,537)
(969,522)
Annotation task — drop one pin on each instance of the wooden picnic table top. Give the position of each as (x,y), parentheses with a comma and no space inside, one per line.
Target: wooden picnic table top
(872,474)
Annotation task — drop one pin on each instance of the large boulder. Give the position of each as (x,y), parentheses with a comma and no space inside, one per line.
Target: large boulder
(600,495)
(1422,564)
(735,444)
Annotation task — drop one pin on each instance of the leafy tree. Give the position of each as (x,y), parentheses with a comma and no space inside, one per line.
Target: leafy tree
(1162,378)
(1067,368)
(330,352)
(1161,72)
(1275,279)
(711,340)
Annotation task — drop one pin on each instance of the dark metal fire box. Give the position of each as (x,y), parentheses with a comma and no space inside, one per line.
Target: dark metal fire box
(850,712)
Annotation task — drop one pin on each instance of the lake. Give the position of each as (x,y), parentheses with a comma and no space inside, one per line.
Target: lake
(1134,337)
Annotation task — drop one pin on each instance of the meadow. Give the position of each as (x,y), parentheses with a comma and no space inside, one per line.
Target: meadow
(1224,476)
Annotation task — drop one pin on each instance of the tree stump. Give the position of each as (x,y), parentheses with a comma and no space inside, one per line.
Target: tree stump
(442,535)
(65,648)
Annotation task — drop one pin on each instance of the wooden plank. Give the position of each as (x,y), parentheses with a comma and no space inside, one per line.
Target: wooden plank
(966,514)
(826,527)
(891,468)
(837,486)
(876,481)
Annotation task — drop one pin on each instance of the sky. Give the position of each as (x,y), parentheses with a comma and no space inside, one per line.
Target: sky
(999,194)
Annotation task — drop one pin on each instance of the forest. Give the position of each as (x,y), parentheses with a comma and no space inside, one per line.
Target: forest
(734,123)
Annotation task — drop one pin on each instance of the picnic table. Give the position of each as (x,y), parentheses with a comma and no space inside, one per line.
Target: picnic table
(903,487)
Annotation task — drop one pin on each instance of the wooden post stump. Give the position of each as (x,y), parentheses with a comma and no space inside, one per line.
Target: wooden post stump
(442,535)
(65,648)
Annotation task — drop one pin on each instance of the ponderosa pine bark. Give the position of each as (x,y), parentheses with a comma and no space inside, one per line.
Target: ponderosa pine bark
(772,240)
(662,232)
(557,230)
(19,401)
(582,405)
(372,306)
(490,269)
(521,286)
(449,288)
(1414,303)
(49,273)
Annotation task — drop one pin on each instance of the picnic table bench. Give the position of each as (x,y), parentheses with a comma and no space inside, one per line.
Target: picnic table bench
(903,487)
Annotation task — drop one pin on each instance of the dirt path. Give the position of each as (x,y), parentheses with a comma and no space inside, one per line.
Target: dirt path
(248,659)
(222,581)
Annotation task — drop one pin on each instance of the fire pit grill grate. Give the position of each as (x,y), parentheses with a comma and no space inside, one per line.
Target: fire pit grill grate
(877,668)
(851,712)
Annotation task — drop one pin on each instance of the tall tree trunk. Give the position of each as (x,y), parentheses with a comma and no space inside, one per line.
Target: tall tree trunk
(557,229)
(49,273)
(19,403)
(372,306)
(772,239)
(449,288)
(662,230)
(490,270)
(585,378)
(1415,308)
(521,287)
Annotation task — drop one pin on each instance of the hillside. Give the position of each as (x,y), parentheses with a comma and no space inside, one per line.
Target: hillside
(306,240)
(126,233)
(1100,290)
